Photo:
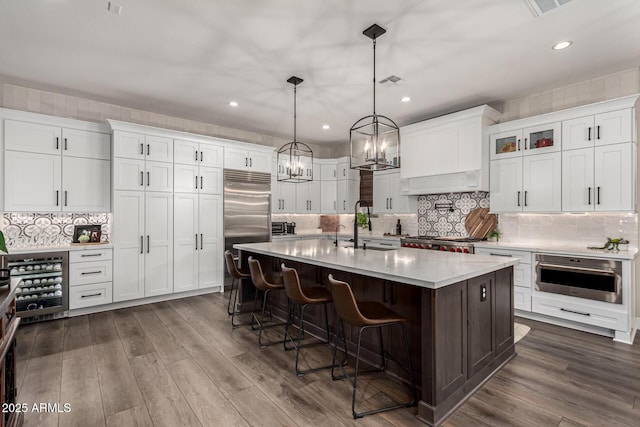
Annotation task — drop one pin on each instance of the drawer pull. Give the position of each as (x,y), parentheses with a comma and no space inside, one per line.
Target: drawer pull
(91,295)
(86,255)
(500,254)
(385,244)
(90,272)
(575,312)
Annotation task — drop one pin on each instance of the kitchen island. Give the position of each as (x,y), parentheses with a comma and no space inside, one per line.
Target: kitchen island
(459,307)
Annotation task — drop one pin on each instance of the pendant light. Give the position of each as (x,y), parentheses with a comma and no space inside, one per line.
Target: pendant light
(374,140)
(295,159)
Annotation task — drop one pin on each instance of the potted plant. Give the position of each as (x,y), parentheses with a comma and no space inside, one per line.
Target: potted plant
(363,221)
(494,235)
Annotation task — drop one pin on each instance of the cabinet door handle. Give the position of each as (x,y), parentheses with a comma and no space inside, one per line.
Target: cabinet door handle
(88,255)
(598,132)
(148,243)
(57,198)
(282,204)
(598,199)
(148,149)
(201,241)
(334,205)
(589,134)
(250,162)
(91,295)
(518,198)
(575,312)
(196,241)
(57,143)
(525,197)
(589,193)
(141,244)
(141,178)
(148,178)
(196,155)
(196,182)
(90,272)
(201,187)
(518,144)
(525,143)
(387,205)
(391,203)
(201,156)
(246,161)
(65,144)
(65,197)
(344,205)
(142,148)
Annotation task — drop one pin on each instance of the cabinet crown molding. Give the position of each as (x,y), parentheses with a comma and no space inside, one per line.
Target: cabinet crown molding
(43,119)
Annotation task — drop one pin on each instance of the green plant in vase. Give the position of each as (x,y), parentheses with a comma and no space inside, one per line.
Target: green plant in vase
(494,235)
(3,244)
(363,221)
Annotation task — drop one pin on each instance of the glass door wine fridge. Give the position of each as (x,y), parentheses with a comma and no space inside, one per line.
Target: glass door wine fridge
(43,291)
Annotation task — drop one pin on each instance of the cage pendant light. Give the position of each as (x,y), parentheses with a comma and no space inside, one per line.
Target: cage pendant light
(295,159)
(374,140)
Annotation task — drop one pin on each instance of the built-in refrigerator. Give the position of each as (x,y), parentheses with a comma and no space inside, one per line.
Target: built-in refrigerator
(247,207)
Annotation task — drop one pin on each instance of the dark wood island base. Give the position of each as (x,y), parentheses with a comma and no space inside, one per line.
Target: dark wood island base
(460,334)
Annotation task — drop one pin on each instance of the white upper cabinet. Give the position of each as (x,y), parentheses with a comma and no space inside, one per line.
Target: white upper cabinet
(329,171)
(55,165)
(139,146)
(387,195)
(601,129)
(196,153)
(344,170)
(308,197)
(244,159)
(328,197)
(535,139)
(541,178)
(597,163)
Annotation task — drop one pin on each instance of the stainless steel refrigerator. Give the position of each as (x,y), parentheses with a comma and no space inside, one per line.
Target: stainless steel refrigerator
(247,207)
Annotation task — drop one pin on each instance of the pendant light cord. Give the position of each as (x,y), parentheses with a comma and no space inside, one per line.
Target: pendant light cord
(374,76)
(295,96)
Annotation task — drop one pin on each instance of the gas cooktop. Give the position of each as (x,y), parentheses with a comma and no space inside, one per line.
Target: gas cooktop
(444,238)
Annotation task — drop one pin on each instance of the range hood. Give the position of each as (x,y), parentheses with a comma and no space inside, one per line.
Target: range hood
(447,154)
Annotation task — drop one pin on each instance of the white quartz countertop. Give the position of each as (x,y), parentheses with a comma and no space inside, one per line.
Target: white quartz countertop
(72,247)
(429,269)
(560,249)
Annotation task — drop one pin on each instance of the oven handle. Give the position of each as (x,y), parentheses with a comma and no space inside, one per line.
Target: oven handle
(9,336)
(560,267)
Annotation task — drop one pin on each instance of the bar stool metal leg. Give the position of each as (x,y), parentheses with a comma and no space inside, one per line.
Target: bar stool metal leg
(261,322)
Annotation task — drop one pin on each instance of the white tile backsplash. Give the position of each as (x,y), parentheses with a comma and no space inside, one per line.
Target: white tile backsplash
(591,229)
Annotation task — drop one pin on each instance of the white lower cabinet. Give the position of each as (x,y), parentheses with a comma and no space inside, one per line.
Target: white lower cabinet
(90,278)
(587,312)
(143,244)
(198,242)
(522,277)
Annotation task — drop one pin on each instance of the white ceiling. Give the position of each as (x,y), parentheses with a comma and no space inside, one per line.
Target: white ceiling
(189,58)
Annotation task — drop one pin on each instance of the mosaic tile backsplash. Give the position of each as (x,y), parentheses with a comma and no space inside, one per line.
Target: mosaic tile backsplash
(444,214)
(27,230)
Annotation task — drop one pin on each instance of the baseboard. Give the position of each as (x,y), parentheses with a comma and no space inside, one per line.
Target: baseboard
(565,323)
(141,301)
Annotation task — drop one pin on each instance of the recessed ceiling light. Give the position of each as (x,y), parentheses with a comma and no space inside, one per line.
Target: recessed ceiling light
(405,99)
(562,45)
(325,127)
(233,103)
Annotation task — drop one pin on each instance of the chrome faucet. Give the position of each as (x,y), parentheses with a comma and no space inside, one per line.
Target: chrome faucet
(355,221)
(335,242)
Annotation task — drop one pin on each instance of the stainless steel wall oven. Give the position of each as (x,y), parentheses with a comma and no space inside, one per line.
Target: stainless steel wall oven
(596,279)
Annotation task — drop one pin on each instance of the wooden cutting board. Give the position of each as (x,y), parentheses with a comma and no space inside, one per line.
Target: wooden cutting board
(479,222)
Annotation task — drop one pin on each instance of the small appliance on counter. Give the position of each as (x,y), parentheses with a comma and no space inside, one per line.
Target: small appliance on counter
(291,227)
(278,228)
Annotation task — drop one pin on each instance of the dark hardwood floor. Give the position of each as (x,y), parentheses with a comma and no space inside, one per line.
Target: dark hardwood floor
(179,363)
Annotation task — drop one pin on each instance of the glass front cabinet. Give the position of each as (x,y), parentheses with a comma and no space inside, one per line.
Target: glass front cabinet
(533,140)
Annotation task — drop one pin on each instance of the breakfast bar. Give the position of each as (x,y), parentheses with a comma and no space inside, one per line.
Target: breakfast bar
(459,307)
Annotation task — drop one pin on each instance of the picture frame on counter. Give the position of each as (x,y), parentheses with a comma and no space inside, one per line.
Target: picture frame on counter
(92,231)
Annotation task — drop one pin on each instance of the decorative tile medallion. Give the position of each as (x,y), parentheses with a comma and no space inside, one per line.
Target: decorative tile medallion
(444,214)
(27,230)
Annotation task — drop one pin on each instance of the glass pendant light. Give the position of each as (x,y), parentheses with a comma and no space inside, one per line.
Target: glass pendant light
(374,140)
(295,159)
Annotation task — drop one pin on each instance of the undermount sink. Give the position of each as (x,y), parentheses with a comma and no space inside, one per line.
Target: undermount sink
(370,248)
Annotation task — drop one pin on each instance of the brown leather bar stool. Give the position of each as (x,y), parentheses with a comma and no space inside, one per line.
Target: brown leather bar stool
(365,315)
(302,297)
(237,275)
(264,285)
